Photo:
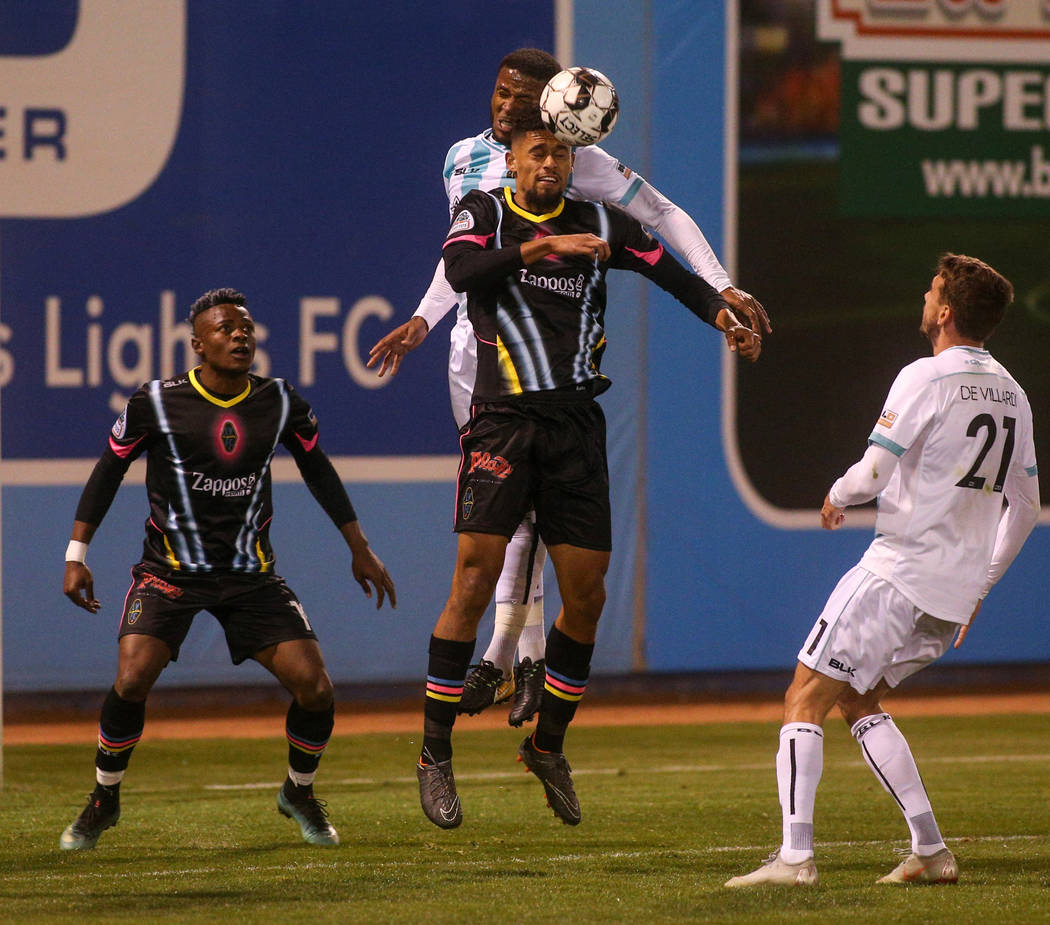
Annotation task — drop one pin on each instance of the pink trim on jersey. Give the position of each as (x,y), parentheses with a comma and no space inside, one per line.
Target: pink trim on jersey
(124,451)
(262,526)
(480,240)
(650,257)
(308,445)
(482,339)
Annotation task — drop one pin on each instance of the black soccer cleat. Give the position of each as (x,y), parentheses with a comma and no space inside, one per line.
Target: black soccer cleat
(300,804)
(484,686)
(556,776)
(437,793)
(529,678)
(101,813)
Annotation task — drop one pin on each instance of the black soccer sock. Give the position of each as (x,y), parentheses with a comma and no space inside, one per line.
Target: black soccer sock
(568,667)
(308,732)
(119,730)
(446,672)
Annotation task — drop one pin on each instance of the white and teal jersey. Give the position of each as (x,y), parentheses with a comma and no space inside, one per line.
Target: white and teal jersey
(962,429)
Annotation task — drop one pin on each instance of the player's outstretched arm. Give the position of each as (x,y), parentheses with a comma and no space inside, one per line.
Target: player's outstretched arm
(389,350)
(368,569)
(79,584)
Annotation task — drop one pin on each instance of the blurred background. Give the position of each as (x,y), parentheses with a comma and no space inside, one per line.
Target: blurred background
(830,152)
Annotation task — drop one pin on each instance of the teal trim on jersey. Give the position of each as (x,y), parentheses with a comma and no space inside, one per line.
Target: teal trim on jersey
(1031,470)
(895,448)
(964,372)
(632,191)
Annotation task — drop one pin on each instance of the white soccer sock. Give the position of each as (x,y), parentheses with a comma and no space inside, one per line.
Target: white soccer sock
(108,778)
(510,618)
(300,779)
(800,761)
(533,640)
(887,753)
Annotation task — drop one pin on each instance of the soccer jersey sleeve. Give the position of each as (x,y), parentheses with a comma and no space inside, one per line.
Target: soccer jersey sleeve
(635,249)
(127,440)
(301,437)
(1022,492)
(599,176)
(471,260)
(908,408)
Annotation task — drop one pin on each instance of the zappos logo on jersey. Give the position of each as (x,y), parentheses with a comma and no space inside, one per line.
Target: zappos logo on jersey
(89,128)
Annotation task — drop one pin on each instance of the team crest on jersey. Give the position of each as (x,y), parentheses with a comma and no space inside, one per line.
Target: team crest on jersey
(120,425)
(624,169)
(228,436)
(464,222)
(887,418)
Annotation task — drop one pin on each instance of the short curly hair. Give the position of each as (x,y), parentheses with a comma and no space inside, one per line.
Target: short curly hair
(215,297)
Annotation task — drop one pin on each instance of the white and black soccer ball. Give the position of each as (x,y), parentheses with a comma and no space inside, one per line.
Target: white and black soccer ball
(579,106)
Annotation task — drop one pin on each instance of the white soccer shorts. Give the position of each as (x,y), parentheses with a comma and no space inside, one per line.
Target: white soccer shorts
(868,631)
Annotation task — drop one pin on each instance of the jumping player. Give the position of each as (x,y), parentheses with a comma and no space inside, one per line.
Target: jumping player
(533,265)
(953,442)
(210,436)
(479,163)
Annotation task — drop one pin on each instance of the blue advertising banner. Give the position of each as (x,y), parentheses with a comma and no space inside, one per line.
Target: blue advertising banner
(151,151)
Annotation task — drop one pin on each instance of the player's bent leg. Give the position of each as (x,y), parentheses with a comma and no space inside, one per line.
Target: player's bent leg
(478,562)
(299,665)
(799,764)
(492,681)
(122,718)
(570,646)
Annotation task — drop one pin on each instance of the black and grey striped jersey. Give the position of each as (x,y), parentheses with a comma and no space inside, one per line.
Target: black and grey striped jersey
(208,470)
(541,327)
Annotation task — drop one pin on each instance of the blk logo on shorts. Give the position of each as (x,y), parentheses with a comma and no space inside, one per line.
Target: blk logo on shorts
(486,462)
(838,666)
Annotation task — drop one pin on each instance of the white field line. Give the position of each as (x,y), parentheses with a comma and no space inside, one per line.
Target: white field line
(614,772)
(36,877)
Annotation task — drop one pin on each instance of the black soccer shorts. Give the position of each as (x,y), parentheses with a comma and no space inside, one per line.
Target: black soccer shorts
(543,455)
(255,610)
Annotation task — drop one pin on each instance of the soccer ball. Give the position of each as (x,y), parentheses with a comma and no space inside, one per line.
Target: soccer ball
(579,106)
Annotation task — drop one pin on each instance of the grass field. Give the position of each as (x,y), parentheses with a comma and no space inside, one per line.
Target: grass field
(669,813)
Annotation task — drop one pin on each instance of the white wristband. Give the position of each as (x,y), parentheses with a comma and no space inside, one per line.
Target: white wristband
(76,551)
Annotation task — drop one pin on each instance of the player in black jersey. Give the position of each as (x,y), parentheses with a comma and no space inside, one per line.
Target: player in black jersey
(533,266)
(210,436)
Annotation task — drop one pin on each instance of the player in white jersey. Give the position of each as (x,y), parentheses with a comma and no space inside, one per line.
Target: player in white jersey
(953,442)
(480,163)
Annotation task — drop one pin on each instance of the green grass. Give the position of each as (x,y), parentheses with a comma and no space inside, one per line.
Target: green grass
(669,814)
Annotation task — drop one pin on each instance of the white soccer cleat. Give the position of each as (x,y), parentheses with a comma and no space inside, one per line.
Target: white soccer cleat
(935,868)
(775,872)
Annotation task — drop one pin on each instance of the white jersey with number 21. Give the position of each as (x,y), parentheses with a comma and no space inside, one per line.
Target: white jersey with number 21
(962,428)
